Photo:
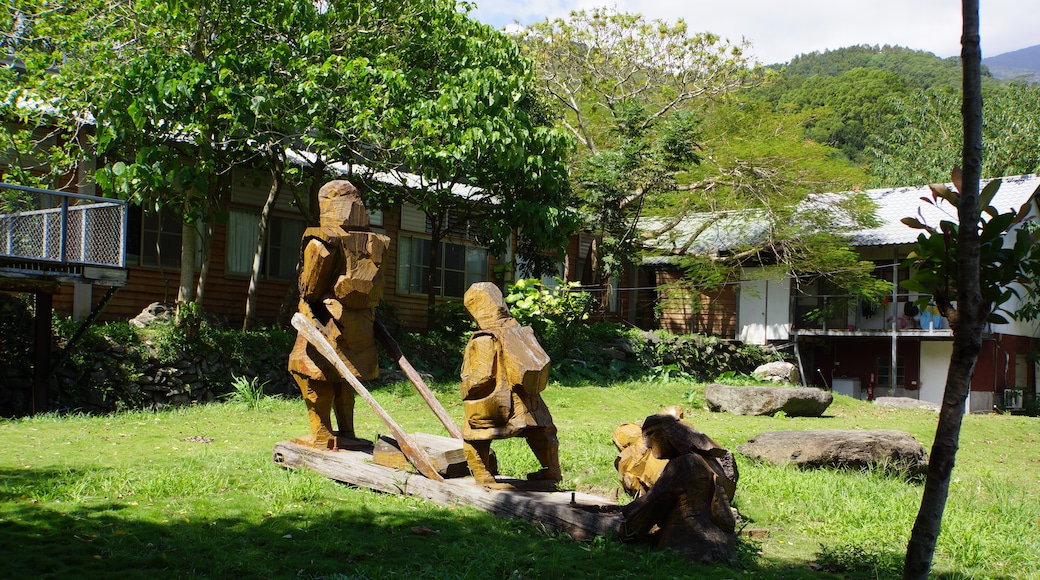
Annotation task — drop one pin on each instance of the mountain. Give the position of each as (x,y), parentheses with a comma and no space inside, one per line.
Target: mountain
(1024,63)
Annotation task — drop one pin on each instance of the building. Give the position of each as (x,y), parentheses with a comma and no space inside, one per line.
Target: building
(858,349)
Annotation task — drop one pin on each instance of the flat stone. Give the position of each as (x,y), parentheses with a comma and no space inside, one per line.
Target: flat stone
(850,448)
(906,403)
(793,401)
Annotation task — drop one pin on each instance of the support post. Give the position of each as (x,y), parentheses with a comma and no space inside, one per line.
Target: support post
(41,351)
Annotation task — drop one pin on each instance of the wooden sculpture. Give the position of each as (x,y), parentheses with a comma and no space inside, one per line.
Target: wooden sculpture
(504,370)
(340,285)
(687,505)
(637,467)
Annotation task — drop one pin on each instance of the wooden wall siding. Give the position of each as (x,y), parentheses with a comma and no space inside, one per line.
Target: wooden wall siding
(713,312)
(250,188)
(225,294)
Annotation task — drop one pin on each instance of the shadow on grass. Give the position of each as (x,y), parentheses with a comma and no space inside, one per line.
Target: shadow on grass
(359,536)
(356,538)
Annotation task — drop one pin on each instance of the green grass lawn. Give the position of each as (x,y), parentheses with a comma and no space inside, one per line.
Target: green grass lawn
(145,495)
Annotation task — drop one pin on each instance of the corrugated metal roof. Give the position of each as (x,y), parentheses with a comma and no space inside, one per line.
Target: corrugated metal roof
(744,228)
(723,234)
(898,203)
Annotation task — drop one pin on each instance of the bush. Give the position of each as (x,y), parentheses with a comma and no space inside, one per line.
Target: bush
(117,366)
(556,313)
(701,357)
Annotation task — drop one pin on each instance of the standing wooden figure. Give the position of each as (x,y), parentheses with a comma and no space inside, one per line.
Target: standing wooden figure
(340,285)
(504,370)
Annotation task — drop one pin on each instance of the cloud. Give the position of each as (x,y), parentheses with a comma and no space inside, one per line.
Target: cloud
(779,31)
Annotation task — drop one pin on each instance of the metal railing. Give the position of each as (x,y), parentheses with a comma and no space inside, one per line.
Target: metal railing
(839,312)
(65,229)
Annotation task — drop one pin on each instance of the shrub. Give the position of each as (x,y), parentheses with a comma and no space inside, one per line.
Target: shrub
(556,313)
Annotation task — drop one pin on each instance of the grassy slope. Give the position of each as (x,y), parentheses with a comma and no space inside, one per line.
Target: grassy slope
(129,494)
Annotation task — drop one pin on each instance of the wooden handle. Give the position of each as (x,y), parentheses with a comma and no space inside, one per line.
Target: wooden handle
(415,454)
(394,350)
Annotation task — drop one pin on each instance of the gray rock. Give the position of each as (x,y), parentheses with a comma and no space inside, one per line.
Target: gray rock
(793,401)
(906,403)
(857,449)
(155,311)
(779,372)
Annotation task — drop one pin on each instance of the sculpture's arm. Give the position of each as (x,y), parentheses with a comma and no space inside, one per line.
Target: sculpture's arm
(318,273)
(478,368)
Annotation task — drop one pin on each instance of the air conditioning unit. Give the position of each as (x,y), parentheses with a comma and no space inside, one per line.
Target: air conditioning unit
(1012,398)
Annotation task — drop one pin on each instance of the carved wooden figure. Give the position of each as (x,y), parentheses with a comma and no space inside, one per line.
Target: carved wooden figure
(637,467)
(340,285)
(687,506)
(504,370)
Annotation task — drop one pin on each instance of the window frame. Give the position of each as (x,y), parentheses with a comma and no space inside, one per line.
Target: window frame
(271,245)
(412,266)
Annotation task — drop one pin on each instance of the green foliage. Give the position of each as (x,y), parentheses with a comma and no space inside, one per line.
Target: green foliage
(438,350)
(737,379)
(859,558)
(247,392)
(633,118)
(110,359)
(1009,258)
(921,69)
(696,356)
(922,138)
(556,313)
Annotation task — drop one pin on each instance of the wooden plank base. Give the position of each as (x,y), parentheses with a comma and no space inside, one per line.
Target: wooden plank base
(580,515)
(445,454)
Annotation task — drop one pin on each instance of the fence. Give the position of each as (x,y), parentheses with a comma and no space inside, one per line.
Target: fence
(67,229)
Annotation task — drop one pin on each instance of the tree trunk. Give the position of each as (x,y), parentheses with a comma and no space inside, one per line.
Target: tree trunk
(186,285)
(207,246)
(261,242)
(971,314)
(434,271)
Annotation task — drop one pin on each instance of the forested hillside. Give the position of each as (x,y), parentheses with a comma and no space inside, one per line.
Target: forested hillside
(895,112)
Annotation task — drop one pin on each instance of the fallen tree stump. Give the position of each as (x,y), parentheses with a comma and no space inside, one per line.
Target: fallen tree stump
(580,515)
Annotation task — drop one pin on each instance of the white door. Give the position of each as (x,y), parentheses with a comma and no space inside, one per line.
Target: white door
(935,362)
(753,311)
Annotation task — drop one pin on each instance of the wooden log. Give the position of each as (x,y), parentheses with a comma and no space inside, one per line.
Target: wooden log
(413,452)
(580,515)
(445,454)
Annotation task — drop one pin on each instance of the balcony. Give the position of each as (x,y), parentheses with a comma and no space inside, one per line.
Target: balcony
(845,315)
(63,237)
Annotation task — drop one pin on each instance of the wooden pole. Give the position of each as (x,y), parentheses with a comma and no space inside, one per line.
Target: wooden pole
(415,454)
(41,352)
(394,350)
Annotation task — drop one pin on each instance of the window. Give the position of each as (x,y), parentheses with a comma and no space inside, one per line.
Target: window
(281,254)
(884,370)
(461,265)
(153,239)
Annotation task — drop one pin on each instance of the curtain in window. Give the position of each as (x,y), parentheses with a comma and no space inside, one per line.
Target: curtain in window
(243,229)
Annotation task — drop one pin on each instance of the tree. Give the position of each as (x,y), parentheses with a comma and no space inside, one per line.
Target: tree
(461,131)
(972,262)
(758,165)
(922,138)
(39,149)
(627,90)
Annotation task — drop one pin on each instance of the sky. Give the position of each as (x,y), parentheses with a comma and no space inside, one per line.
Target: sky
(780,30)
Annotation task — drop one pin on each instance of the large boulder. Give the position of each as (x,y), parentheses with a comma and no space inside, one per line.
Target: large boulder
(778,372)
(793,401)
(851,448)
